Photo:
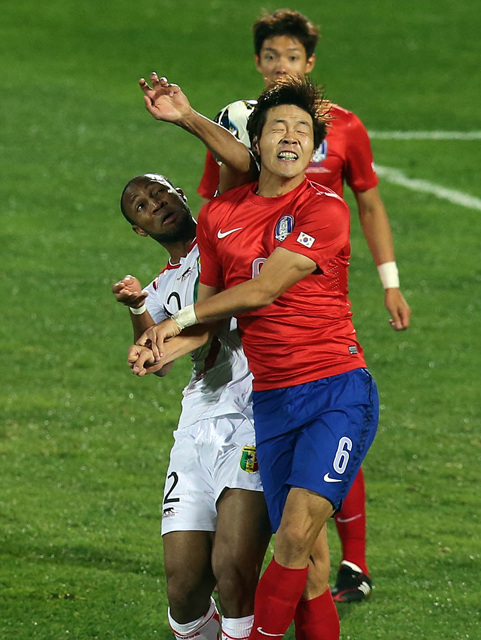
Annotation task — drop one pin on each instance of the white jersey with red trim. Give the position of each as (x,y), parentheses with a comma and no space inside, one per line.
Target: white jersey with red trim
(221,383)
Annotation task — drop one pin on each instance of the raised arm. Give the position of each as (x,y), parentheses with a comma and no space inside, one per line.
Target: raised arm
(128,292)
(167,102)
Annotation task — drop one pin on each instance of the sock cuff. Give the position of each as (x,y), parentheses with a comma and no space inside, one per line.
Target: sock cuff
(281,567)
(237,628)
(188,629)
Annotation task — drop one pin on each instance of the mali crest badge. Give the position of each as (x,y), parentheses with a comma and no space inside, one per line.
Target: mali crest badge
(248,461)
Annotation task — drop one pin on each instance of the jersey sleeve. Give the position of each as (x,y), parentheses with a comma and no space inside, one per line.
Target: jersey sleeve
(153,302)
(321,230)
(211,273)
(210,178)
(359,171)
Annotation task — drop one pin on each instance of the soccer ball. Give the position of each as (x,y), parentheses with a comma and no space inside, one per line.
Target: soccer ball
(234,118)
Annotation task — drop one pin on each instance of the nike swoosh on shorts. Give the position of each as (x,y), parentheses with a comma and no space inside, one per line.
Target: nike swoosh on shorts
(327,478)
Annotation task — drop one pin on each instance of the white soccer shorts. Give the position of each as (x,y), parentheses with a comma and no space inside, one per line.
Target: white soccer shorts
(206,458)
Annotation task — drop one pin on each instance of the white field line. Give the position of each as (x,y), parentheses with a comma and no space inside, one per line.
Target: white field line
(425,135)
(395,176)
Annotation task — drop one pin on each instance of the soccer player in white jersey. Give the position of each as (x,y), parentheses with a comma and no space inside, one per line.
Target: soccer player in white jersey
(215,527)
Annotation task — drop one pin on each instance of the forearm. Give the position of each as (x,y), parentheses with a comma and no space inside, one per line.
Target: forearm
(219,141)
(377,231)
(281,270)
(189,340)
(145,357)
(247,296)
(140,323)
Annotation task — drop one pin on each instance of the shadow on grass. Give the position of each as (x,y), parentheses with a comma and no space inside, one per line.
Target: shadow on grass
(83,556)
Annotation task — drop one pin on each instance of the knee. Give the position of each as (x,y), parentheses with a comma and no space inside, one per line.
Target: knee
(236,586)
(188,600)
(293,544)
(179,593)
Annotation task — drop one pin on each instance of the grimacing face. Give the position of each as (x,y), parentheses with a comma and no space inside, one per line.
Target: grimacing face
(158,209)
(281,56)
(287,142)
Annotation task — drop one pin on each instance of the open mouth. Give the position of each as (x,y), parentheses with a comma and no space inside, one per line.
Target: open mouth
(288,156)
(169,216)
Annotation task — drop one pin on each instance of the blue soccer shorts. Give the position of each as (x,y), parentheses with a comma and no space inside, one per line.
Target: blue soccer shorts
(314,436)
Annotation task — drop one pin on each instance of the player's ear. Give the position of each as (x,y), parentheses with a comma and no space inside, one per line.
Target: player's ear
(181,194)
(257,62)
(255,147)
(310,63)
(139,231)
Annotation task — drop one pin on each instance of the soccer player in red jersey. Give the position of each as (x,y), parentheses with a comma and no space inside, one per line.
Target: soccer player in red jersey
(285,43)
(275,253)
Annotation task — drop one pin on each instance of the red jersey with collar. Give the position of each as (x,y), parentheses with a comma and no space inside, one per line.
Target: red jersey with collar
(307,333)
(344,156)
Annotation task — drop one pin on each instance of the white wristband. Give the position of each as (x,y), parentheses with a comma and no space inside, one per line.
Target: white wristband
(389,275)
(185,317)
(139,311)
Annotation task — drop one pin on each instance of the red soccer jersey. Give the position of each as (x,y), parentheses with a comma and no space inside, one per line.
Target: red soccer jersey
(307,333)
(344,156)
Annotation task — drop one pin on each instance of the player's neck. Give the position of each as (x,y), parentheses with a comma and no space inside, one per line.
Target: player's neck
(178,250)
(273,186)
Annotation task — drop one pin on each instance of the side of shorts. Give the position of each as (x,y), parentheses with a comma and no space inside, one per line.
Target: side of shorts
(206,458)
(327,429)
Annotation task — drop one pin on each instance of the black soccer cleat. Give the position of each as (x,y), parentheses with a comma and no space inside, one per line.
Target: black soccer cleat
(351,585)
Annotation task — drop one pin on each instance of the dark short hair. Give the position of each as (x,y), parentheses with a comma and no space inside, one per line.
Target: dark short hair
(286,22)
(142,176)
(297,91)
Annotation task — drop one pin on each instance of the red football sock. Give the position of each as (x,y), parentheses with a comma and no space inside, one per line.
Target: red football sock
(317,619)
(278,592)
(351,524)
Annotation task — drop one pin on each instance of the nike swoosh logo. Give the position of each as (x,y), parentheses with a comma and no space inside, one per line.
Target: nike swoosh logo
(270,635)
(327,478)
(223,234)
(359,515)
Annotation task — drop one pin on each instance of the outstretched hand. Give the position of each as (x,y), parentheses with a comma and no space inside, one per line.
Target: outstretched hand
(163,100)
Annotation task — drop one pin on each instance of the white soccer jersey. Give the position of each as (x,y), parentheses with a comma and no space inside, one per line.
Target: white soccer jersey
(221,383)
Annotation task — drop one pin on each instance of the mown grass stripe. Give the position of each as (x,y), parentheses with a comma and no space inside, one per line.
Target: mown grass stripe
(425,135)
(396,176)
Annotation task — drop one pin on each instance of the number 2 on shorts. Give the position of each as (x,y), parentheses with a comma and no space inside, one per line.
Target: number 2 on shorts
(175,480)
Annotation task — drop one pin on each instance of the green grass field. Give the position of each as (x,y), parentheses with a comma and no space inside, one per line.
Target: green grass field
(84,445)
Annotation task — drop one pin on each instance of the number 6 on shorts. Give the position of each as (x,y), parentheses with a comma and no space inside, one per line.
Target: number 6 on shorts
(342,455)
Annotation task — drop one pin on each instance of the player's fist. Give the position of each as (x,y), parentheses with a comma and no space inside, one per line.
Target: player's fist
(128,291)
(155,336)
(141,360)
